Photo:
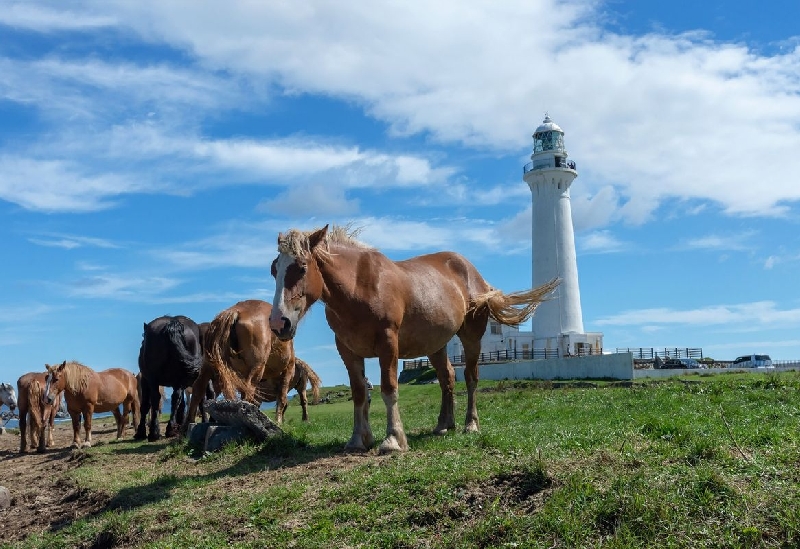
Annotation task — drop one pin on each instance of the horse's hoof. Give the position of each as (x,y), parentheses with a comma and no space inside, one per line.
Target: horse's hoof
(154,437)
(139,436)
(391,444)
(86,444)
(440,431)
(471,427)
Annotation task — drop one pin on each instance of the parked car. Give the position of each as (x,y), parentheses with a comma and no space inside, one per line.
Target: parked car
(753,361)
(687,363)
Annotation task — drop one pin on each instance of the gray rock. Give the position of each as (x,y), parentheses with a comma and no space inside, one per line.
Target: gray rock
(5,498)
(218,436)
(238,413)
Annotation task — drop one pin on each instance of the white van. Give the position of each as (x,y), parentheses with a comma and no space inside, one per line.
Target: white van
(753,361)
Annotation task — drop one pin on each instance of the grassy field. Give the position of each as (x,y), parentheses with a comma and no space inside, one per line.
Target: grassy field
(699,461)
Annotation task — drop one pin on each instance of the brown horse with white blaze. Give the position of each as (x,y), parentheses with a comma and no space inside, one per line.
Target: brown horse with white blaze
(388,309)
(87,391)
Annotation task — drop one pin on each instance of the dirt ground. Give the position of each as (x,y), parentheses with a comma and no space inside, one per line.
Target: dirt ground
(41,496)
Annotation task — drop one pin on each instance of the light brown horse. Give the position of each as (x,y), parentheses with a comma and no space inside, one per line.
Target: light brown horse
(303,375)
(30,390)
(377,307)
(239,353)
(87,391)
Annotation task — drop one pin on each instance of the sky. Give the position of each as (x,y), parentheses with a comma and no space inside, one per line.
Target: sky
(151,152)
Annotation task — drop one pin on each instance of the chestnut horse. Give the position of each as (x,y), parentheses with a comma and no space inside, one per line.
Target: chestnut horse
(239,353)
(30,390)
(87,392)
(388,309)
(303,375)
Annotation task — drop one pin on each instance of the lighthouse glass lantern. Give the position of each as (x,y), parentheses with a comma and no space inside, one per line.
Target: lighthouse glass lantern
(548,137)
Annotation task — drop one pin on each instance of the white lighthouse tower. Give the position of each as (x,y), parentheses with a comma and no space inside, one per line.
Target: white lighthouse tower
(558,323)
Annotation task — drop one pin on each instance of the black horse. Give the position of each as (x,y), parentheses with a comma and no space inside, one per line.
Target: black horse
(170,356)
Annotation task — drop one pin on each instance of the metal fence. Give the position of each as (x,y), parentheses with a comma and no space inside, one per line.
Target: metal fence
(502,356)
(650,353)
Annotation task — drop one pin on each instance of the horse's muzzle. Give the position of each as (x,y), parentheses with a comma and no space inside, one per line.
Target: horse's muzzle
(286,332)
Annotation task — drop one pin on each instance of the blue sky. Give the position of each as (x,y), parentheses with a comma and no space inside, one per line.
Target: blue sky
(150,152)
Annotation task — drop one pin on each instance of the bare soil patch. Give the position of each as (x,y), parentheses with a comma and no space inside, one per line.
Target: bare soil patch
(42,496)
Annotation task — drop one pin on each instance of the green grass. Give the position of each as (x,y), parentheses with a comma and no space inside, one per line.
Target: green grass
(704,461)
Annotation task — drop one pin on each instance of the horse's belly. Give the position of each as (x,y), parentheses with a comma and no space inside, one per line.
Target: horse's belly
(414,343)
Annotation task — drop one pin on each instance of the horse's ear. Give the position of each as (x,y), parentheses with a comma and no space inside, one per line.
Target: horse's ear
(316,237)
(62,365)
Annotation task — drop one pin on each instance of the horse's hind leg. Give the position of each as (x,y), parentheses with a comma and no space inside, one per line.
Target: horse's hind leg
(121,418)
(470,335)
(447,383)
(178,412)
(153,402)
(23,430)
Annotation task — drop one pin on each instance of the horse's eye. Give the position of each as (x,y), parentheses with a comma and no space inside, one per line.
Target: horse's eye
(303,268)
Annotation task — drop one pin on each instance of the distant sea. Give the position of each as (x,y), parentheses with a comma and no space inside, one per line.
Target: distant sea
(14,422)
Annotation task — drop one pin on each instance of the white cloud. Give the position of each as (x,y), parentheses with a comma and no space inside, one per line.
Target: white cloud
(40,18)
(765,313)
(733,242)
(600,242)
(311,200)
(70,242)
(654,117)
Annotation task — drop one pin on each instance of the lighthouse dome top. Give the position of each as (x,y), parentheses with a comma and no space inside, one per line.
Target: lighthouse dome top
(548,125)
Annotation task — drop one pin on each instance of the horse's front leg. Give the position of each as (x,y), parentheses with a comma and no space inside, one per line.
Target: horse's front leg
(144,404)
(301,392)
(198,392)
(52,422)
(447,382)
(395,435)
(282,400)
(88,413)
(362,439)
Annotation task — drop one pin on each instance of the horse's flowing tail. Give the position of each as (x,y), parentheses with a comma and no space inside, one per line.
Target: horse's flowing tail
(313,379)
(174,330)
(517,307)
(217,350)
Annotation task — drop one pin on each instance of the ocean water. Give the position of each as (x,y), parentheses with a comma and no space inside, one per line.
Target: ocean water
(13,423)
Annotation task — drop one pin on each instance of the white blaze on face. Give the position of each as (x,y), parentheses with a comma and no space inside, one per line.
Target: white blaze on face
(278,303)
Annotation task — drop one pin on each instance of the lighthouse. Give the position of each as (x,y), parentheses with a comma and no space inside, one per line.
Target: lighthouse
(558,322)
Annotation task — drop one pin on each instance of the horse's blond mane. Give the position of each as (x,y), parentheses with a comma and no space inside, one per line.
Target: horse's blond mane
(77,376)
(295,242)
